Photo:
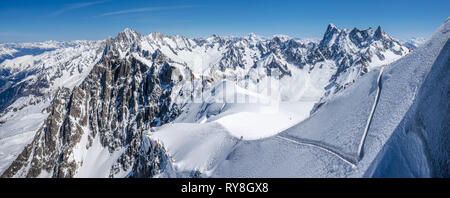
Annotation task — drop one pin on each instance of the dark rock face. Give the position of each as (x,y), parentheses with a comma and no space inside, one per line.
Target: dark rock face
(331,32)
(361,37)
(151,159)
(118,101)
(45,142)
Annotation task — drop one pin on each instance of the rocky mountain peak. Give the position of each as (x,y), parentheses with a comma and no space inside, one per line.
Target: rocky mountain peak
(331,26)
(379,34)
(253,37)
(128,36)
(361,37)
(158,36)
(122,43)
(281,37)
(330,35)
(214,38)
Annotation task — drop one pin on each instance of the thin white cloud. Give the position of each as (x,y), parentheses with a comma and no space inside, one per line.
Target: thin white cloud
(147,9)
(75,6)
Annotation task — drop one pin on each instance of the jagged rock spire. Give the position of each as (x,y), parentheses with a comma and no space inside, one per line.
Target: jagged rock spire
(330,33)
(378,33)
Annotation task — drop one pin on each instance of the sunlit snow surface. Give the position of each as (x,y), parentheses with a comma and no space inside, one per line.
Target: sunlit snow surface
(211,140)
(19,130)
(203,135)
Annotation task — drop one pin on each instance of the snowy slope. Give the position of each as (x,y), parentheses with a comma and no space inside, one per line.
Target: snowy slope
(229,104)
(200,138)
(28,83)
(13,50)
(262,138)
(415,99)
(405,137)
(20,129)
(401,84)
(340,122)
(227,90)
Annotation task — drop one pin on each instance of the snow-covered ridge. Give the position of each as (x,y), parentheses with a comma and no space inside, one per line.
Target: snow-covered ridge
(344,54)
(132,82)
(64,64)
(13,50)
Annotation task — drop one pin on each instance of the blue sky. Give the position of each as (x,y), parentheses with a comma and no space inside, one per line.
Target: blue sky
(93,20)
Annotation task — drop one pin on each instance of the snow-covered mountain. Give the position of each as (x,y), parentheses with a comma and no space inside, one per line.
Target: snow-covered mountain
(50,65)
(414,43)
(28,84)
(393,122)
(154,106)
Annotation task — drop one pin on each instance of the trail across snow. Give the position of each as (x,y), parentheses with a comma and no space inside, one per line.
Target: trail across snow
(341,155)
(369,119)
